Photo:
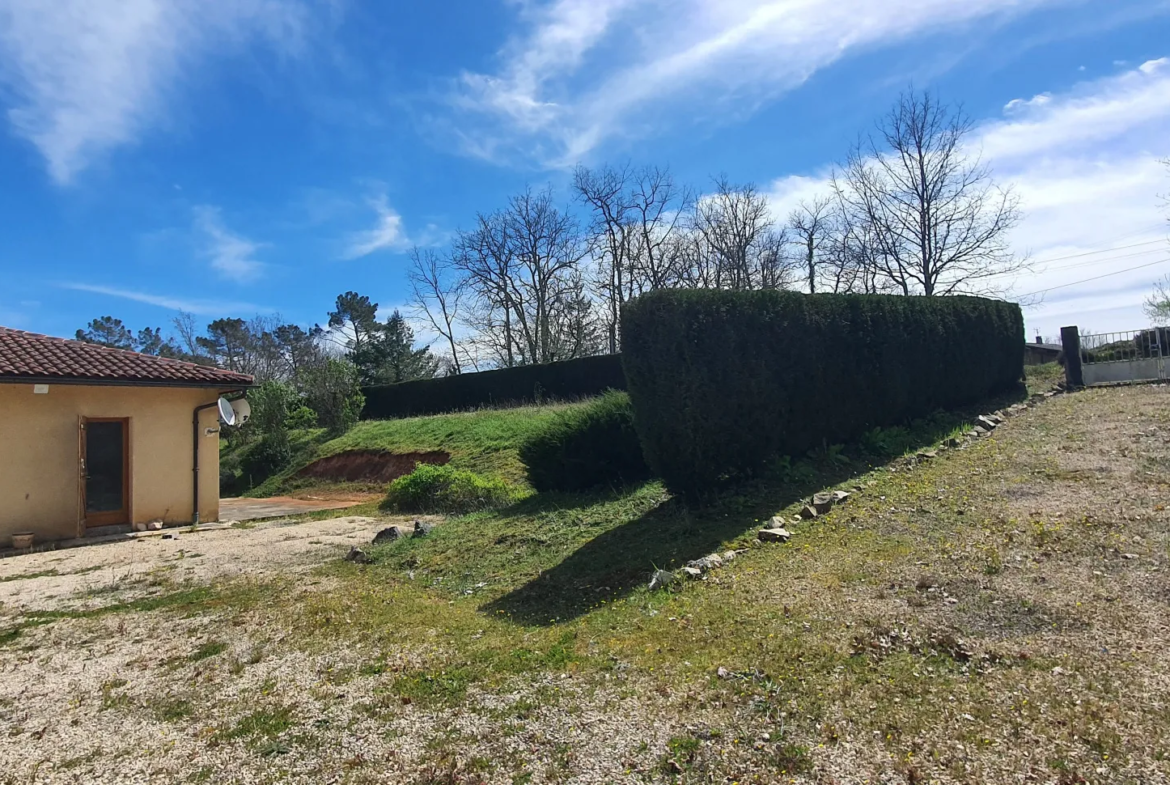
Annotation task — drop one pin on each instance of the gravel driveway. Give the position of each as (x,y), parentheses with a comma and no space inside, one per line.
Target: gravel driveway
(84,577)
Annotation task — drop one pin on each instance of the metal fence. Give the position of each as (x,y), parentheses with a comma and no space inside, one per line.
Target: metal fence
(1131,355)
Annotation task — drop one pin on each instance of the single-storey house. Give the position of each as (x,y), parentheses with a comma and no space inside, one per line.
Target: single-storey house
(1040,353)
(93,437)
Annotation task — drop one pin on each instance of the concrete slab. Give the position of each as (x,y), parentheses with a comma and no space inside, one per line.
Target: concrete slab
(276,507)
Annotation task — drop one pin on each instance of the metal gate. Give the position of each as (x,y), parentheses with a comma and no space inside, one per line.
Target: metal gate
(1132,356)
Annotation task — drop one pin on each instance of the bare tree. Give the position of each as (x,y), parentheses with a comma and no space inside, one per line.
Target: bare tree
(611,236)
(735,245)
(548,248)
(658,205)
(188,332)
(811,224)
(522,269)
(483,260)
(635,217)
(437,297)
(938,222)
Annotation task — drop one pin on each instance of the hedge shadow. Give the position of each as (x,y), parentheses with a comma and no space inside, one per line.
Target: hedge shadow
(616,562)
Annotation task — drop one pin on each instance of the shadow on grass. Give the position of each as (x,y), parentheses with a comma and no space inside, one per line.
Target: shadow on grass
(614,563)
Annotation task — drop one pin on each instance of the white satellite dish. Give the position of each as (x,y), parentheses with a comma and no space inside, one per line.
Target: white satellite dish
(227,415)
(243,410)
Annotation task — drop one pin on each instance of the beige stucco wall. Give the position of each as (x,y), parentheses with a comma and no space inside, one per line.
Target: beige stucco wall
(39,469)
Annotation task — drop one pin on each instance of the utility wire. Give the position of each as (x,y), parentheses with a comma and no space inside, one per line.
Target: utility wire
(1103,250)
(1074,265)
(1094,278)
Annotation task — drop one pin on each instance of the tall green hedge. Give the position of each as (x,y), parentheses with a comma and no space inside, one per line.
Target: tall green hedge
(583,377)
(723,381)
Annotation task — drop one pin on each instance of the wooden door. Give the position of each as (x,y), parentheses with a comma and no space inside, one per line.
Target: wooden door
(105,462)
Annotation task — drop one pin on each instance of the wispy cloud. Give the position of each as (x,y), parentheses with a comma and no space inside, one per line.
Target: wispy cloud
(585,71)
(88,76)
(387,233)
(197,307)
(231,255)
(1094,112)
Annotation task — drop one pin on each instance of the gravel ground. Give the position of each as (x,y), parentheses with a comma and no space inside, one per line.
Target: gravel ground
(1062,559)
(89,576)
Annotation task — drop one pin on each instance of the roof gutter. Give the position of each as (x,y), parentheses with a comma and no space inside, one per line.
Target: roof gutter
(195,456)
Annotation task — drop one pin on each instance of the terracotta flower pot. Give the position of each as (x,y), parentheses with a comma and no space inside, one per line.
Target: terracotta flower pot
(23,541)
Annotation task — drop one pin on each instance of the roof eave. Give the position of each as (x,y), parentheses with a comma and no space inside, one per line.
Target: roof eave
(98,382)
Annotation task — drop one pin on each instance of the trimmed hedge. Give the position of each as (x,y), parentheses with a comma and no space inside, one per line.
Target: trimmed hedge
(580,378)
(586,447)
(723,381)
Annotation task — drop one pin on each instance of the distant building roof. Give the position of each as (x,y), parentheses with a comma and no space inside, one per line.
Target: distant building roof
(29,357)
(1048,347)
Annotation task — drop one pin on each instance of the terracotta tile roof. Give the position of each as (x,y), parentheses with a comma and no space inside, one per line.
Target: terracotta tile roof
(40,357)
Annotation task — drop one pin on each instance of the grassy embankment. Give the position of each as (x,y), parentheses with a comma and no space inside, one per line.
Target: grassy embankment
(484,441)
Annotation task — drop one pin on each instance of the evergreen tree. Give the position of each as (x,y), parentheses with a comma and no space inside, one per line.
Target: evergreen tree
(107,331)
(388,355)
(356,314)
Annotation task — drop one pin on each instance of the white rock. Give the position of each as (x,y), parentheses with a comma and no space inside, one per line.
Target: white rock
(661,579)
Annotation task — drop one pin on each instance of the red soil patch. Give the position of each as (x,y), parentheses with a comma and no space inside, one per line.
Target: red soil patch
(370,465)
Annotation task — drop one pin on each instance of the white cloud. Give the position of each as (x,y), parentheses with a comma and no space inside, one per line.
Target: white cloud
(91,75)
(197,307)
(386,234)
(1087,167)
(1094,113)
(588,70)
(231,255)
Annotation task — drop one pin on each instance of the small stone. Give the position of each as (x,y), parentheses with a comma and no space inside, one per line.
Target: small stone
(981,431)
(1129,555)
(952,442)
(729,555)
(775,535)
(661,579)
(952,600)
(707,562)
(389,534)
(170,536)
(986,422)
(422,529)
(358,556)
(974,432)
(822,502)
(808,511)
(692,572)
(840,497)
(155,525)
(723,673)
(926,455)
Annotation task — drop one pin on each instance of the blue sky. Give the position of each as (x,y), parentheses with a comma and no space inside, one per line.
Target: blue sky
(230,157)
